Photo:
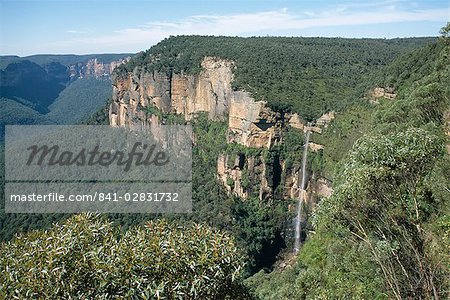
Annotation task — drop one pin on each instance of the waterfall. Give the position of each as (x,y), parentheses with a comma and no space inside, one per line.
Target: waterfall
(301,200)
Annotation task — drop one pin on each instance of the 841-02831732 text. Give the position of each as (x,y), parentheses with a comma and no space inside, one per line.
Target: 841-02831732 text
(97,196)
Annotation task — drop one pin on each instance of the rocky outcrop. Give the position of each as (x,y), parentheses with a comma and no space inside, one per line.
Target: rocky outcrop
(252,176)
(249,175)
(243,176)
(326,119)
(138,90)
(94,68)
(210,91)
(251,123)
(382,92)
(315,147)
(296,122)
(320,188)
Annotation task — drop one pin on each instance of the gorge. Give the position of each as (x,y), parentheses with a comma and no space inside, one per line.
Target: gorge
(347,137)
(142,97)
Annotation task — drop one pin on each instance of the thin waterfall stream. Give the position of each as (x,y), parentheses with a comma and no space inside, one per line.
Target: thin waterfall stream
(301,198)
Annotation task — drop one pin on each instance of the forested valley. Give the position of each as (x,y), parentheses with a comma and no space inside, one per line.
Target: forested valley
(384,233)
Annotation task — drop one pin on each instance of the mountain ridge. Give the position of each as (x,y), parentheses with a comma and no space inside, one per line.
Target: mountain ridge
(52,92)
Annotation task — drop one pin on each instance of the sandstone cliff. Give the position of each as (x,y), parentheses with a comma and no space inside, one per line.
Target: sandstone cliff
(250,122)
(246,176)
(94,68)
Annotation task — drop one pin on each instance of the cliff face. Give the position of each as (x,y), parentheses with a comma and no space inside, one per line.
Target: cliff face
(252,175)
(247,175)
(250,122)
(94,68)
(209,92)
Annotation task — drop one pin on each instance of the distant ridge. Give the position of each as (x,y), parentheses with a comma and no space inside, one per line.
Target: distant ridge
(64,59)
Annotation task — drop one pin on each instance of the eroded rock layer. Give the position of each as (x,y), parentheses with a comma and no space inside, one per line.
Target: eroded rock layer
(140,97)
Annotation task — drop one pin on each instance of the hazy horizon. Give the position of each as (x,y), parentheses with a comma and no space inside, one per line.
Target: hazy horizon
(132,53)
(84,27)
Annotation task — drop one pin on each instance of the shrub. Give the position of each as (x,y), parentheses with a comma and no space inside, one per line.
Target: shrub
(85,258)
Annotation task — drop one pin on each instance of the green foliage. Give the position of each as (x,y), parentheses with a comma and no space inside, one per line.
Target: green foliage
(258,229)
(79,100)
(100,117)
(377,166)
(407,69)
(165,118)
(13,112)
(30,84)
(341,134)
(291,151)
(245,179)
(210,203)
(230,181)
(305,75)
(353,277)
(13,223)
(74,104)
(389,193)
(383,234)
(316,162)
(382,200)
(86,258)
(424,101)
(234,149)
(256,226)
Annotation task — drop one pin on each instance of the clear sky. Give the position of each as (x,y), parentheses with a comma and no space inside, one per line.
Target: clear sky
(105,26)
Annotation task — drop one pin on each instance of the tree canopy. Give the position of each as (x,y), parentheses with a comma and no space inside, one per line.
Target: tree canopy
(309,76)
(86,258)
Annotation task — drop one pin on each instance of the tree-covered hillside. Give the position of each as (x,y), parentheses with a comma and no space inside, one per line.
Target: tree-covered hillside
(62,89)
(30,84)
(384,233)
(80,100)
(305,75)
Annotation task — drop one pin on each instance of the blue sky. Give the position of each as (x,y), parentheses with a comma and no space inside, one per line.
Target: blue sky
(102,26)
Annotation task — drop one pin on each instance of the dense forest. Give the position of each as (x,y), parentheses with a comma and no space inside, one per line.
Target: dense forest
(54,89)
(309,76)
(383,234)
(78,100)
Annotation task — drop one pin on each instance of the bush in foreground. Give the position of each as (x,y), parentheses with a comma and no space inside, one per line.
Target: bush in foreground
(86,258)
